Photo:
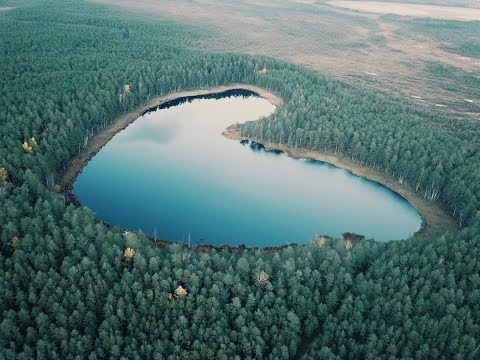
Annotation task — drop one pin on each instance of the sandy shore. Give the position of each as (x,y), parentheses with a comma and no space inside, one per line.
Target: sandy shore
(435,219)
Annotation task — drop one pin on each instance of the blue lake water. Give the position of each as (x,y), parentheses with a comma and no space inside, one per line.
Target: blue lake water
(172,173)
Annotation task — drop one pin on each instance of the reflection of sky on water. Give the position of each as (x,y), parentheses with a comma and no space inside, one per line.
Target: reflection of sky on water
(158,133)
(173,171)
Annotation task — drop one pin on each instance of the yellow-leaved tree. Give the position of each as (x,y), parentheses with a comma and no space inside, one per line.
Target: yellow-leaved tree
(262,278)
(14,242)
(128,254)
(3,174)
(27,148)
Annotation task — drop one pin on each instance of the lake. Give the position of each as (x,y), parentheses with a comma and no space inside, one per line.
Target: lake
(172,174)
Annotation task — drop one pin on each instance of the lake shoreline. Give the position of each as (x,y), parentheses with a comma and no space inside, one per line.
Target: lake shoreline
(435,219)
(99,140)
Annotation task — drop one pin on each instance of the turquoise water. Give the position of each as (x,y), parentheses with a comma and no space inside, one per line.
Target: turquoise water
(172,173)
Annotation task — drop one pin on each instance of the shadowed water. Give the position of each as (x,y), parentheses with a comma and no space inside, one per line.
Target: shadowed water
(172,173)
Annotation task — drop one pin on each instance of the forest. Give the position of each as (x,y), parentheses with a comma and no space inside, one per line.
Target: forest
(73,287)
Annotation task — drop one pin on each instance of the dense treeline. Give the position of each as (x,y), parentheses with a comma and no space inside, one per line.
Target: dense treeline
(436,156)
(419,300)
(72,293)
(73,287)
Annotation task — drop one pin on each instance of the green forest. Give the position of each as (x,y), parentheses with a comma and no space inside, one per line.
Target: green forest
(73,287)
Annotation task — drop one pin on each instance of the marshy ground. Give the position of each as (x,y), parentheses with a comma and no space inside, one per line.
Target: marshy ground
(433,62)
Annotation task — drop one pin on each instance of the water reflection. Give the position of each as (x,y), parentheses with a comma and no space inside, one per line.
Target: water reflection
(171,170)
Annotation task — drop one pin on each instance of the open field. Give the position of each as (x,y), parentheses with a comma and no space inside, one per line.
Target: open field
(413,10)
(388,54)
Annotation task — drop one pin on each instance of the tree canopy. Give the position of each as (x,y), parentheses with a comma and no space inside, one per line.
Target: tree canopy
(72,287)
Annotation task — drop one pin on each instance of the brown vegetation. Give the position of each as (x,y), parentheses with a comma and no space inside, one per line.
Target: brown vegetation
(27,148)
(179,291)
(348,244)
(413,10)
(3,174)
(128,254)
(14,242)
(358,47)
(262,279)
(322,240)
